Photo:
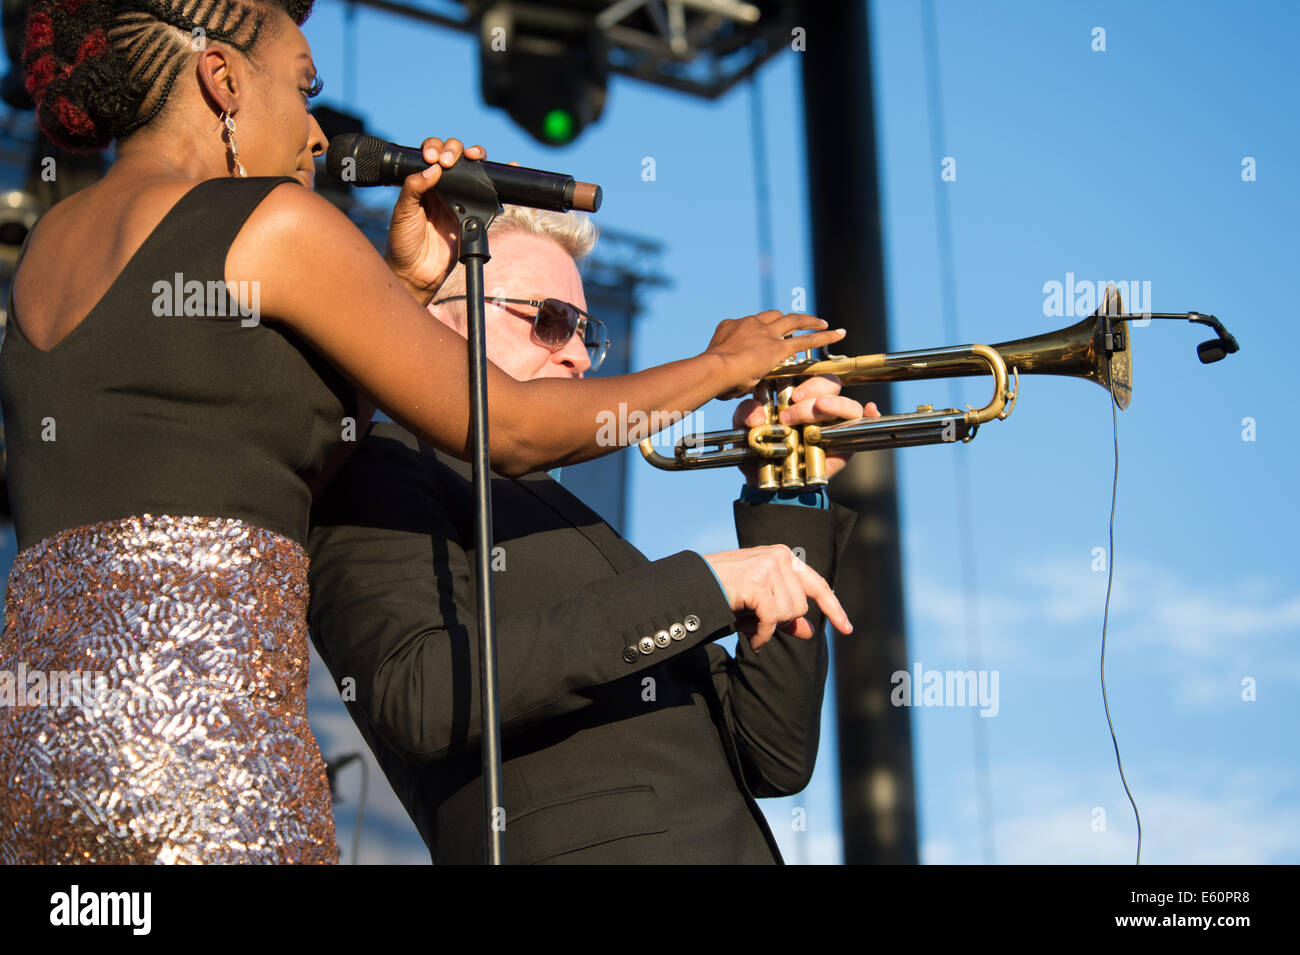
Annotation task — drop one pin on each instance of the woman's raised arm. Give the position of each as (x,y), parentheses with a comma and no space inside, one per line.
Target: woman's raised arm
(319,275)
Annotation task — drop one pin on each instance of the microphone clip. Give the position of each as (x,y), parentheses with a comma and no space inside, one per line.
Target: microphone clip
(474,201)
(1114,334)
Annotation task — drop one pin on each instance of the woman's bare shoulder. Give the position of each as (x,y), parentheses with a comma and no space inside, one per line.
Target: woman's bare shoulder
(288,224)
(292,206)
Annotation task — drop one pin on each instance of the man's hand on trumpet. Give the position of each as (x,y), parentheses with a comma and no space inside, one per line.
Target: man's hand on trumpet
(815,401)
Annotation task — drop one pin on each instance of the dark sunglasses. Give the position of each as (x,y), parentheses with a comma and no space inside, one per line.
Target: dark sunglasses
(555,324)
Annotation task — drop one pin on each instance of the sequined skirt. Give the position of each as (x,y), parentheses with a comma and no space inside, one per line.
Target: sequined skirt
(153,698)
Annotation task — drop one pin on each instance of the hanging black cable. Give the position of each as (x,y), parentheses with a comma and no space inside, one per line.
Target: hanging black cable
(1105,620)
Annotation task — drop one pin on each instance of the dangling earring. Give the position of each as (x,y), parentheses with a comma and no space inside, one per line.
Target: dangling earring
(232,146)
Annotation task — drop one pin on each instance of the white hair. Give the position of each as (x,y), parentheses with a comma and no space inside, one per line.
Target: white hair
(574,232)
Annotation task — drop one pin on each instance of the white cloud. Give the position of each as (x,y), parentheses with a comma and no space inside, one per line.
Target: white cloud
(1206,816)
(1207,635)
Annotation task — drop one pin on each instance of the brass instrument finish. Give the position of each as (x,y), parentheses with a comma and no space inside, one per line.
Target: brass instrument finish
(795,457)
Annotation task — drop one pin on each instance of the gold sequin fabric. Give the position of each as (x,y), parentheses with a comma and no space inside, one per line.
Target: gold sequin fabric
(185,739)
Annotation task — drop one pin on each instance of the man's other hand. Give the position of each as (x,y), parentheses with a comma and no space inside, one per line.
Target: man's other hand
(769,588)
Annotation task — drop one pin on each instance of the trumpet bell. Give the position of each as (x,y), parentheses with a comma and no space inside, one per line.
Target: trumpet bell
(1081,350)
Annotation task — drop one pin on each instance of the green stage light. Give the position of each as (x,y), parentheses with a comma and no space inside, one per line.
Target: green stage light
(546,67)
(558,126)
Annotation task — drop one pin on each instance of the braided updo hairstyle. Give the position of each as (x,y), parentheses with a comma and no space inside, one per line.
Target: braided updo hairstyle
(101,69)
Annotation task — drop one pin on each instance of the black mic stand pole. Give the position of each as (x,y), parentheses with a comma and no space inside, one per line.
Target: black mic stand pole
(475,204)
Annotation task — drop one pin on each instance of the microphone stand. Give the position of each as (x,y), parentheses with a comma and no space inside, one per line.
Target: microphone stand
(474,201)
(470,191)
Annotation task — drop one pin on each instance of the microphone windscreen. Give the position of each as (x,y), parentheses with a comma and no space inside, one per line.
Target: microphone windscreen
(355,159)
(341,147)
(1212,351)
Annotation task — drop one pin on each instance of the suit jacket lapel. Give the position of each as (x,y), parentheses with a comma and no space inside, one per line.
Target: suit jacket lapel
(617,551)
(620,554)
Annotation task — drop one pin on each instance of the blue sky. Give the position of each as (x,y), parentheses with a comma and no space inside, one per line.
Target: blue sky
(1117,165)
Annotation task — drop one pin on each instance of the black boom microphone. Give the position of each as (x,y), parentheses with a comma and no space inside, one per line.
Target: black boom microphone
(361,160)
(1216,349)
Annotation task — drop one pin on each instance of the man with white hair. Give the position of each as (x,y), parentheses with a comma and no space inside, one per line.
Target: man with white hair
(628,734)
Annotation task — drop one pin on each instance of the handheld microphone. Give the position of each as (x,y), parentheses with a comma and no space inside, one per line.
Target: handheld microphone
(362,160)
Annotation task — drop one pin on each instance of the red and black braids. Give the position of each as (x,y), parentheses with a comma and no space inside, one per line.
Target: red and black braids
(100,69)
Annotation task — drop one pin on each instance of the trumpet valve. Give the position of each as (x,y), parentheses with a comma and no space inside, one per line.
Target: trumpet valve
(792,463)
(771,442)
(814,457)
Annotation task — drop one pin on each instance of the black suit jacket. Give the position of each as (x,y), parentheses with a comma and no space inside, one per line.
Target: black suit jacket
(628,734)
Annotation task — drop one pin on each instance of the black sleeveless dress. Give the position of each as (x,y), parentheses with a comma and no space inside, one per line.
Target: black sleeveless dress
(155,621)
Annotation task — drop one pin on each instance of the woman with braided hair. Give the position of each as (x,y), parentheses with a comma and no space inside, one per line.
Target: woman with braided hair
(163,446)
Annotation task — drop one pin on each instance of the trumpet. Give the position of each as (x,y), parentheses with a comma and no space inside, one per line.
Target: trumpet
(1097,348)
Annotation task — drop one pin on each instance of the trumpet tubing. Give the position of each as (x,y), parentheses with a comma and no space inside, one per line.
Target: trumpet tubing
(1097,348)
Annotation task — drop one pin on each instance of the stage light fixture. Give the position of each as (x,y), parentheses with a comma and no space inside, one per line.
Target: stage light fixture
(545,66)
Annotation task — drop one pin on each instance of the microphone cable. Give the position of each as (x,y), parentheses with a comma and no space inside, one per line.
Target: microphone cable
(1216,349)
(1110,578)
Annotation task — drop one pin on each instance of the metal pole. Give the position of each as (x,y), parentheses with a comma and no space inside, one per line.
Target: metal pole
(474,253)
(475,205)
(877,797)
